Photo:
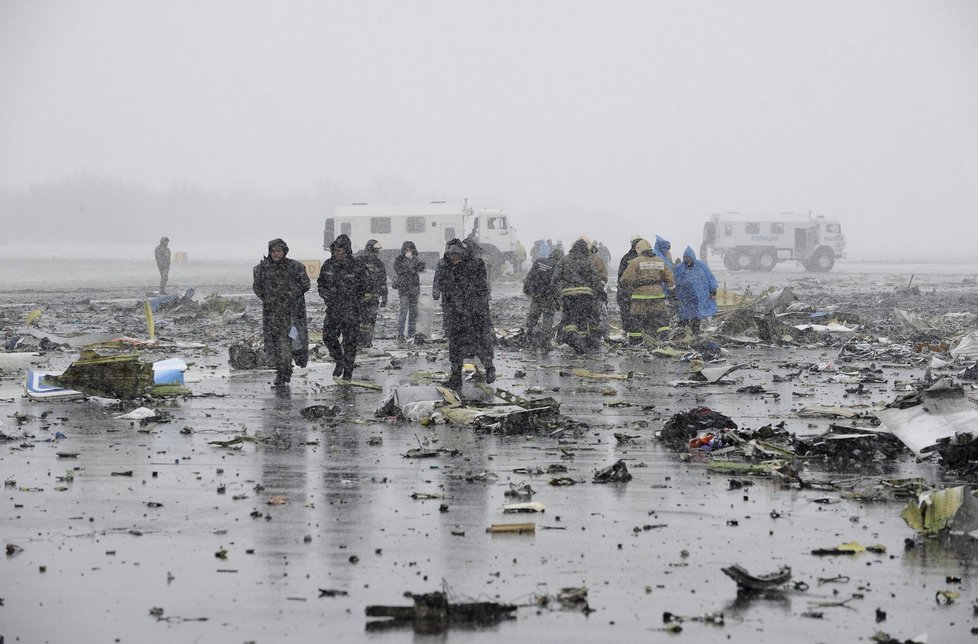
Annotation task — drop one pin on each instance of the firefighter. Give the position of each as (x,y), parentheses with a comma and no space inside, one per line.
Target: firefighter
(624,297)
(581,292)
(376,293)
(647,277)
(538,286)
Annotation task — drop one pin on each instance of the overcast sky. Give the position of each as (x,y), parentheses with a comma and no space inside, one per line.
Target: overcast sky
(598,117)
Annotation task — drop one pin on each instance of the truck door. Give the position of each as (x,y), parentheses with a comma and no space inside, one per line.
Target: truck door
(802,243)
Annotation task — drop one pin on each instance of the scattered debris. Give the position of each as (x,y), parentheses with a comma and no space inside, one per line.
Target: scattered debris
(748,582)
(432,613)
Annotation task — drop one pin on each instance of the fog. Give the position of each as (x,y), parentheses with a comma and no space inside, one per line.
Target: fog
(224,124)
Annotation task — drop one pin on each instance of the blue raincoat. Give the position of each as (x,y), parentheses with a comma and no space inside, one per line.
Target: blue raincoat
(693,287)
(661,248)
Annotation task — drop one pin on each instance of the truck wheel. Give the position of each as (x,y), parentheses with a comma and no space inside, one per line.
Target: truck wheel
(766,261)
(743,261)
(730,261)
(823,260)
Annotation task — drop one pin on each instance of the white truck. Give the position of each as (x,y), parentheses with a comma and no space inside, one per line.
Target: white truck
(759,242)
(428,225)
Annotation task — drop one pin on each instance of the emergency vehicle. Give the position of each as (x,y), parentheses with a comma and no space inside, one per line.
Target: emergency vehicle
(760,242)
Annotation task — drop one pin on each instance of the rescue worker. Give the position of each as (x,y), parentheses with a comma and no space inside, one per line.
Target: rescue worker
(581,292)
(463,285)
(602,268)
(662,248)
(538,286)
(376,293)
(407,267)
(624,297)
(696,291)
(647,277)
(162,253)
(519,257)
(343,281)
(280,283)
(438,280)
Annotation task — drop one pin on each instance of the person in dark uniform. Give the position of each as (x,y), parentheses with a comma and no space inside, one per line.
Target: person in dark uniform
(280,283)
(376,294)
(343,280)
(407,267)
(463,285)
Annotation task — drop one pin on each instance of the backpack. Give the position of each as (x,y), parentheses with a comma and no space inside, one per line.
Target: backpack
(537,282)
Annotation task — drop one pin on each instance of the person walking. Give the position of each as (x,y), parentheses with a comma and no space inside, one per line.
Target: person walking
(162,253)
(407,268)
(343,281)
(647,277)
(376,293)
(280,283)
(463,285)
(696,291)
(544,302)
(581,292)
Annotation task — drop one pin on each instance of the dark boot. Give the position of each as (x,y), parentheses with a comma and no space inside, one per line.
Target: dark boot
(455,380)
(490,371)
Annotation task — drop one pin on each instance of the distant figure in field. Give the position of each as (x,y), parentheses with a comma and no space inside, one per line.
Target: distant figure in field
(163,262)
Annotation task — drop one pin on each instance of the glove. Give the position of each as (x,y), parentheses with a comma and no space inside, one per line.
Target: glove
(383,302)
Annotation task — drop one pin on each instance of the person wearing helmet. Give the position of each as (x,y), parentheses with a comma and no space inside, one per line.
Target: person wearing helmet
(538,286)
(624,297)
(648,278)
(376,294)
(280,284)
(581,292)
(163,262)
(342,282)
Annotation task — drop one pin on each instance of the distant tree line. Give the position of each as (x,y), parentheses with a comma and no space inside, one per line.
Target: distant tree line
(91,209)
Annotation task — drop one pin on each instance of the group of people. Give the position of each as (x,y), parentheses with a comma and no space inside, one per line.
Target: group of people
(354,288)
(651,286)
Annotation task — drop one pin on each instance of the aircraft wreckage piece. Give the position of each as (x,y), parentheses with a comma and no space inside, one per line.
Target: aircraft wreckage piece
(922,419)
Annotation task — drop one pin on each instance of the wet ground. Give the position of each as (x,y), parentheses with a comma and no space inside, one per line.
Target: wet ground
(159,516)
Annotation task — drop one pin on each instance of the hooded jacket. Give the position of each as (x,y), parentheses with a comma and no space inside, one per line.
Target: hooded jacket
(342,283)
(279,283)
(464,290)
(407,269)
(281,287)
(662,248)
(695,286)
